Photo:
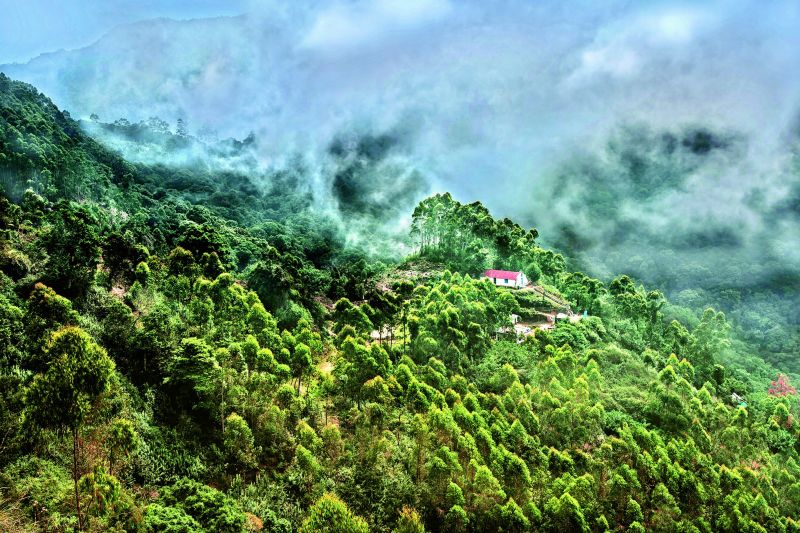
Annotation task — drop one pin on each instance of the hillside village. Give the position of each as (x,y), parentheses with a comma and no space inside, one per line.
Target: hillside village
(541,312)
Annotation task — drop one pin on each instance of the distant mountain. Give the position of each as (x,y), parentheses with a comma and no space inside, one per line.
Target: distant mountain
(362,194)
(191,69)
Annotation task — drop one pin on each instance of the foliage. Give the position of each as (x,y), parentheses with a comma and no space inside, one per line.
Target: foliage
(331,515)
(194,367)
(211,509)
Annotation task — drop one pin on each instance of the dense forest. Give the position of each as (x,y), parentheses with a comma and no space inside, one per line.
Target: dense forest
(184,349)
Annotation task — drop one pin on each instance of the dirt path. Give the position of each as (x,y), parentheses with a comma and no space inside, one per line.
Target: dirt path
(547,296)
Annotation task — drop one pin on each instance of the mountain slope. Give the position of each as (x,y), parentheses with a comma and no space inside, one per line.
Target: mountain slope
(690,186)
(165,367)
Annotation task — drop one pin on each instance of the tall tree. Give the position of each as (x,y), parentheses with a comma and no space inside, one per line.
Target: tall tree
(79,372)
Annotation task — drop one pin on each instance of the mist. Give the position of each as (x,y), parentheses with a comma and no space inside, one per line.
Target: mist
(655,138)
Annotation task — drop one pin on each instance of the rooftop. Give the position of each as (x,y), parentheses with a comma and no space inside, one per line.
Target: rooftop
(501,274)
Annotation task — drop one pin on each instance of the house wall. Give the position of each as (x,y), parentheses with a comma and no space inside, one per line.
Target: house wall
(521,281)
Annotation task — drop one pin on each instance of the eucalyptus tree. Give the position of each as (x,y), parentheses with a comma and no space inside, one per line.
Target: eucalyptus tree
(61,397)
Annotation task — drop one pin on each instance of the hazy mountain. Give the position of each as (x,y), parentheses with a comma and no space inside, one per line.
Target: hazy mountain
(653,140)
(158,67)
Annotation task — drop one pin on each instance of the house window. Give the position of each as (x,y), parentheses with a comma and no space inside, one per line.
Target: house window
(505,281)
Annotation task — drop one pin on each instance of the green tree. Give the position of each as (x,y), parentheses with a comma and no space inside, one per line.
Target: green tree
(166,519)
(212,509)
(196,380)
(79,372)
(103,491)
(710,340)
(331,515)
(122,439)
(47,312)
(302,363)
(358,364)
(347,314)
(565,514)
(239,442)
(11,332)
(73,247)
(409,522)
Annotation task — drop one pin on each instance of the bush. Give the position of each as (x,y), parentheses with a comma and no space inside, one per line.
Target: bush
(44,488)
(212,509)
(165,519)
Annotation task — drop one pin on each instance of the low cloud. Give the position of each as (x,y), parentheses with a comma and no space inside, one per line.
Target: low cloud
(684,113)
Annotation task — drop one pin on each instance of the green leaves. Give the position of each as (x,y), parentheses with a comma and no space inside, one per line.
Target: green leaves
(122,439)
(166,519)
(210,508)
(359,364)
(79,371)
(102,489)
(73,246)
(331,515)
(565,514)
(710,340)
(457,318)
(467,238)
(239,443)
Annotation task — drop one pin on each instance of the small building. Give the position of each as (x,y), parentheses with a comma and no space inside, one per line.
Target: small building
(506,278)
(738,400)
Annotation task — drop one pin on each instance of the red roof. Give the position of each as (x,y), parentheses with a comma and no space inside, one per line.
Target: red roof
(502,274)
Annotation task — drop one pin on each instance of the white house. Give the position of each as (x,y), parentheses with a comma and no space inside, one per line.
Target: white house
(506,278)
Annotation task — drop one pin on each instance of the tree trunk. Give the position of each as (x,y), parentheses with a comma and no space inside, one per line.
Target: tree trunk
(419,463)
(405,332)
(222,410)
(75,477)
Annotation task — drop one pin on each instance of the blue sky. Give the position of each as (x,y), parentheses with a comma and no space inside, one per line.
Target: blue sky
(31,27)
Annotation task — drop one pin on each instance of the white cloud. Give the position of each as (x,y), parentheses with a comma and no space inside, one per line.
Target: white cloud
(675,27)
(620,62)
(354,24)
(624,48)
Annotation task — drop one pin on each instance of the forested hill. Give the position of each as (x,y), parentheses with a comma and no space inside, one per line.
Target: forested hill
(185,351)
